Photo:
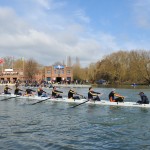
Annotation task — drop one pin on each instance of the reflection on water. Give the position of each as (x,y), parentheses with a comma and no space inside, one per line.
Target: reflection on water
(51,125)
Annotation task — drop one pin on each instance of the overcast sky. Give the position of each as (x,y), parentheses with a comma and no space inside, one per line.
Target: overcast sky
(51,30)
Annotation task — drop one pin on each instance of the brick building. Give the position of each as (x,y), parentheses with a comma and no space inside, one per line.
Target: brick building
(11,75)
(56,73)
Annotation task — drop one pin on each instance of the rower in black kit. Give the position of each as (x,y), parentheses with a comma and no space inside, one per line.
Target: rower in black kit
(56,93)
(29,92)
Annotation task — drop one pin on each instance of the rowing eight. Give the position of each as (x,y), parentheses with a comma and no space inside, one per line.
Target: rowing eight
(102,102)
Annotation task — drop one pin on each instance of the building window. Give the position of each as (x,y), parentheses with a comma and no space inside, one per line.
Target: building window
(62,71)
(68,71)
(55,71)
(48,72)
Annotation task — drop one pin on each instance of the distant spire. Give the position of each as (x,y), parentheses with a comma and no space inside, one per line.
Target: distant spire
(69,62)
(77,61)
(63,63)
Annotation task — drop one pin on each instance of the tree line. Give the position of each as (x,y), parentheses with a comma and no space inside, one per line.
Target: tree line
(122,67)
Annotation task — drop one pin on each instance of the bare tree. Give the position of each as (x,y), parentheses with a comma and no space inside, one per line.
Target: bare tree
(8,62)
(122,66)
(92,72)
(31,68)
(18,64)
(143,65)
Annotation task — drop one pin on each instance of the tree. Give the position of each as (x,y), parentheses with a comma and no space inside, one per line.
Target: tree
(18,64)
(142,59)
(92,72)
(31,68)
(76,72)
(123,67)
(8,62)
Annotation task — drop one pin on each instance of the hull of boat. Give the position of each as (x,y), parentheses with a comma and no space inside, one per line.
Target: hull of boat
(102,102)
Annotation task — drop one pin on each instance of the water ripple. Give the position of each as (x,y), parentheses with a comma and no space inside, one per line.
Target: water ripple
(51,125)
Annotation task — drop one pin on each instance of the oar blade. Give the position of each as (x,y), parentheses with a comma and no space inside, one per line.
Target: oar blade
(10,98)
(79,104)
(41,101)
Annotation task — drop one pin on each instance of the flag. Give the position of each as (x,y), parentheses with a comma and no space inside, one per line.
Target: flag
(1,60)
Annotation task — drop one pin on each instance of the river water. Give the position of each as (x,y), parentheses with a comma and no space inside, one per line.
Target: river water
(56,126)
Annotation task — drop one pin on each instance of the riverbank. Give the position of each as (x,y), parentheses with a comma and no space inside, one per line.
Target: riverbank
(72,85)
(9,84)
(122,86)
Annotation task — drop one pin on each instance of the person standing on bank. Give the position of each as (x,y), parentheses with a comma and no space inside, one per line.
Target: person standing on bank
(144,98)
(56,93)
(112,96)
(93,95)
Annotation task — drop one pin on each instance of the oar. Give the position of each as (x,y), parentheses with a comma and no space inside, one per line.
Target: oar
(80,104)
(41,101)
(10,98)
(80,95)
(83,102)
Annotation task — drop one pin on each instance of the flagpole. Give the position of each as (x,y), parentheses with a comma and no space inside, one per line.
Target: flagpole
(12,62)
(2,67)
(1,62)
(23,65)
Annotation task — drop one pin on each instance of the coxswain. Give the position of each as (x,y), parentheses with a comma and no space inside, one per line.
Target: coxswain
(112,96)
(71,94)
(144,98)
(6,90)
(16,92)
(56,93)
(41,92)
(93,95)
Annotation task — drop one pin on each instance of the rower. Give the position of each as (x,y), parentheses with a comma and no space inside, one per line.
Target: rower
(144,98)
(56,93)
(93,95)
(71,93)
(112,96)
(16,92)
(29,92)
(6,90)
(41,92)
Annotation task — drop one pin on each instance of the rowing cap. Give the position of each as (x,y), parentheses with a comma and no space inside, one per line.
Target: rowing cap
(113,90)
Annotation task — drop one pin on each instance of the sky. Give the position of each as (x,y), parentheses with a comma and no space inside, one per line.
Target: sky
(51,30)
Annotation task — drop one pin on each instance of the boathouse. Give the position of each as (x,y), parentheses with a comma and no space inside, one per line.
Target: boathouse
(58,73)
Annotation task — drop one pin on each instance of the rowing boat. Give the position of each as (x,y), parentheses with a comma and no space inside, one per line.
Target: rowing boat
(102,102)
(35,97)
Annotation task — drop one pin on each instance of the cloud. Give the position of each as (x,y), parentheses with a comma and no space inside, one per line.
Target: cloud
(44,3)
(49,35)
(80,14)
(141,13)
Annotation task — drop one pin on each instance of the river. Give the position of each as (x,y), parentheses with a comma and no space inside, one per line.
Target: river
(56,126)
